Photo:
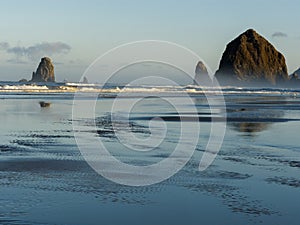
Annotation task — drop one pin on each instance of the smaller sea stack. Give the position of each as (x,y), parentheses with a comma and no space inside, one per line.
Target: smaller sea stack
(201,75)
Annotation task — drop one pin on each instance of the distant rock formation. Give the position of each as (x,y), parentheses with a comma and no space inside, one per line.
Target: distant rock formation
(23,80)
(251,59)
(85,80)
(44,72)
(295,75)
(295,79)
(201,75)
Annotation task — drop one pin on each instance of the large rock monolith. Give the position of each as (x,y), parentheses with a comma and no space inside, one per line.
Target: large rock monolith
(251,59)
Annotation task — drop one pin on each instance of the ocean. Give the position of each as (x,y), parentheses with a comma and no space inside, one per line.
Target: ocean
(47,177)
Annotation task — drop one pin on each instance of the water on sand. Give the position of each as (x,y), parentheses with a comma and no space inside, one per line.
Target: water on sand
(254,180)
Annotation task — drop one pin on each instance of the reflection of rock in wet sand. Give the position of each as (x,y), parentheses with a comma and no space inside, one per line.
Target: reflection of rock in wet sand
(254,120)
(250,127)
(256,115)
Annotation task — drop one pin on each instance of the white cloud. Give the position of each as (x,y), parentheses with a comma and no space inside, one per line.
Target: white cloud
(35,52)
(279,35)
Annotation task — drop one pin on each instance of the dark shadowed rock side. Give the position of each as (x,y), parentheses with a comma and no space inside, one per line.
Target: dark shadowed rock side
(251,59)
(201,75)
(44,72)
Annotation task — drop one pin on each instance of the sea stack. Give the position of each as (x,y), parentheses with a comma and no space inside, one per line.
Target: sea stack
(295,79)
(295,75)
(201,75)
(44,72)
(251,59)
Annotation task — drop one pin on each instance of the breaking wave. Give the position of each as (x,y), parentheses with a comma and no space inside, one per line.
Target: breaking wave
(16,87)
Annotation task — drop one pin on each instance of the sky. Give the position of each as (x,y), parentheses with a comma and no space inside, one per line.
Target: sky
(75,33)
